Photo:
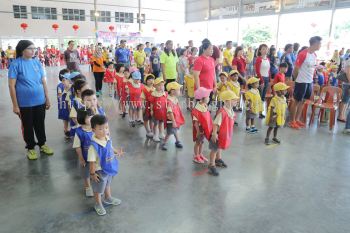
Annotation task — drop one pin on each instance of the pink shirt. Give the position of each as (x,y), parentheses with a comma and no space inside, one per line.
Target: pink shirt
(206,67)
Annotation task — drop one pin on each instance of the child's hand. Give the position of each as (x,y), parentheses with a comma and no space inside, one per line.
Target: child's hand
(119,152)
(95,178)
(82,162)
(174,125)
(214,138)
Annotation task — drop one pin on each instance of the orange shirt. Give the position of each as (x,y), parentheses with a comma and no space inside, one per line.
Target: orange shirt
(99,61)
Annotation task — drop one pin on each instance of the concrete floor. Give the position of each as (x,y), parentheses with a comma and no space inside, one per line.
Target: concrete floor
(300,186)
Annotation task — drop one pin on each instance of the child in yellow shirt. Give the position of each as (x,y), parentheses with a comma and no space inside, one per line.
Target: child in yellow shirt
(276,112)
(189,90)
(253,104)
(235,86)
(223,85)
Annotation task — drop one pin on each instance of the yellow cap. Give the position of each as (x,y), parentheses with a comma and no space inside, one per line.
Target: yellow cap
(232,72)
(158,80)
(228,95)
(173,86)
(334,67)
(223,73)
(252,80)
(280,87)
(148,76)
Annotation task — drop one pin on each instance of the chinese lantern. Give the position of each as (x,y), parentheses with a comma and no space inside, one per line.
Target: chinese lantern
(55,27)
(75,27)
(24,26)
(155,29)
(111,28)
(172,30)
(313,25)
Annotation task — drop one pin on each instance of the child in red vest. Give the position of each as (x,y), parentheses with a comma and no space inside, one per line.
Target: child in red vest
(134,89)
(222,131)
(123,95)
(146,98)
(174,115)
(158,109)
(202,123)
(110,77)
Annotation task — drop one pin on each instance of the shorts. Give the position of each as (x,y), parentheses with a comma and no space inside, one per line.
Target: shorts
(170,130)
(213,146)
(200,139)
(134,107)
(156,122)
(85,171)
(105,180)
(346,93)
(302,91)
(251,115)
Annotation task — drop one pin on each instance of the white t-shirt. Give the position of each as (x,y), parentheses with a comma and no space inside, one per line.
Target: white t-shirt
(306,62)
(265,68)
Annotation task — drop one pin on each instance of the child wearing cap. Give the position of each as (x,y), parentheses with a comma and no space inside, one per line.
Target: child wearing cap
(332,80)
(202,123)
(123,94)
(189,89)
(110,77)
(146,99)
(222,131)
(81,144)
(90,101)
(236,87)
(103,164)
(134,89)
(223,85)
(158,109)
(253,104)
(276,112)
(63,90)
(175,118)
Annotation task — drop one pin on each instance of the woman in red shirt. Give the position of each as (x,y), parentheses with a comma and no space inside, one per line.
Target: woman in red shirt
(239,62)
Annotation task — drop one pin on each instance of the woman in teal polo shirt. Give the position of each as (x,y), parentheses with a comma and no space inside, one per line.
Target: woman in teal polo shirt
(29,95)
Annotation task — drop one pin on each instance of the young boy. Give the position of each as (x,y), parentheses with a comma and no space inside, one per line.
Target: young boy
(175,119)
(155,62)
(202,123)
(253,104)
(89,99)
(103,164)
(222,131)
(276,113)
(189,89)
(63,92)
(81,144)
(280,76)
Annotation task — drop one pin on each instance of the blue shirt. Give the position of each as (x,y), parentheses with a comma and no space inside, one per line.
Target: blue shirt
(29,85)
(148,51)
(287,59)
(122,55)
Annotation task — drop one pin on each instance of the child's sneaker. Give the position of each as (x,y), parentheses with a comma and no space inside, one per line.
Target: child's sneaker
(149,135)
(132,123)
(100,210)
(89,192)
(261,116)
(139,122)
(212,171)
(178,145)
(156,138)
(267,141)
(276,140)
(247,130)
(112,201)
(162,137)
(220,163)
(254,130)
(46,150)
(203,158)
(198,159)
(32,155)
(163,146)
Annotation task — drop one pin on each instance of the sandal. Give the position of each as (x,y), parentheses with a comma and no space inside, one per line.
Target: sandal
(276,140)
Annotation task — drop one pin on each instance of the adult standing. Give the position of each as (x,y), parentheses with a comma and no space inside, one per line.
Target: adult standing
(140,59)
(29,95)
(273,62)
(304,72)
(71,57)
(239,62)
(168,61)
(228,57)
(344,77)
(286,57)
(294,54)
(122,54)
(250,61)
(262,68)
(98,69)
(10,55)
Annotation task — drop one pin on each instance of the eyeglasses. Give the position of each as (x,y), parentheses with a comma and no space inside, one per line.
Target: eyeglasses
(31,48)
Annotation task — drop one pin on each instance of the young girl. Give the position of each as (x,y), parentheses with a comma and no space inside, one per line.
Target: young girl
(63,88)
(158,108)
(119,80)
(110,78)
(202,123)
(123,93)
(253,104)
(146,97)
(277,112)
(81,143)
(134,89)
(222,131)
(175,119)
(90,101)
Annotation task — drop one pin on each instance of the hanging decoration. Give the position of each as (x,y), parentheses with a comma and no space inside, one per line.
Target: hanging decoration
(55,26)
(75,27)
(172,30)
(24,26)
(155,30)
(111,28)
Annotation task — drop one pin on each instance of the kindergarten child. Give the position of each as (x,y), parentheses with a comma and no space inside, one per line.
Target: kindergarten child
(332,80)
(175,118)
(103,164)
(110,77)
(63,90)
(223,85)
(119,80)
(146,98)
(276,112)
(134,89)
(222,131)
(123,93)
(189,89)
(319,76)
(81,144)
(159,109)
(280,76)
(253,104)
(90,101)
(202,123)
(235,86)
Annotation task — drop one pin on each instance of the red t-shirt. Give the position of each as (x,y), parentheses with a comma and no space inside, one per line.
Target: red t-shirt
(279,77)
(240,63)
(206,67)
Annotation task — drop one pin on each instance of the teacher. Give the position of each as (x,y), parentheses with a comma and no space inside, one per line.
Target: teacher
(168,62)
(29,95)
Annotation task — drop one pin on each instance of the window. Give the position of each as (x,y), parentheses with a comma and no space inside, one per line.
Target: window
(124,17)
(103,16)
(44,13)
(143,18)
(20,12)
(73,14)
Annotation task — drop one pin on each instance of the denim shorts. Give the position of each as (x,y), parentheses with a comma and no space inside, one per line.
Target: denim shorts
(105,181)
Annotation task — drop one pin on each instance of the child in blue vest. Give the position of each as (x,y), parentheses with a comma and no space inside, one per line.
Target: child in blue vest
(81,144)
(103,164)
(89,99)
(63,89)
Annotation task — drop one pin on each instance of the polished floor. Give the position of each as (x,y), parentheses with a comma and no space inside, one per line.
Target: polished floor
(300,186)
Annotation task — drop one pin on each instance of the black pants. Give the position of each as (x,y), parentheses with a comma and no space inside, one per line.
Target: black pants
(33,121)
(142,71)
(98,80)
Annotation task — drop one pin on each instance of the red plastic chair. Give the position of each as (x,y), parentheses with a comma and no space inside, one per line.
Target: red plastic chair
(314,97)
(328,102)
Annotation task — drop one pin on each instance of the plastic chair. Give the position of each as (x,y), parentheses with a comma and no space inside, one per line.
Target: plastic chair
(314,97)
(330,98)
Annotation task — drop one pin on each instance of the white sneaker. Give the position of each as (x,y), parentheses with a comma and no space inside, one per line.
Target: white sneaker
(89,192)
(149,135)
(162,137)
(156,138)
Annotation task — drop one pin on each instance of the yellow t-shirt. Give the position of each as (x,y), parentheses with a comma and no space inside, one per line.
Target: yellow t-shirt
(235,87)
(105,56)
(250,56)
(228,54)
(139,58)
(10,53)
(189,82)
(223,87)
(279,105)
(253,96)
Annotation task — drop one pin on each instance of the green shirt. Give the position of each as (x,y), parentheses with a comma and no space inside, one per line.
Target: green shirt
(170,63)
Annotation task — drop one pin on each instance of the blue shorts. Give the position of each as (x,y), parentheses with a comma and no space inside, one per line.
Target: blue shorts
(302,91)
(105,181)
